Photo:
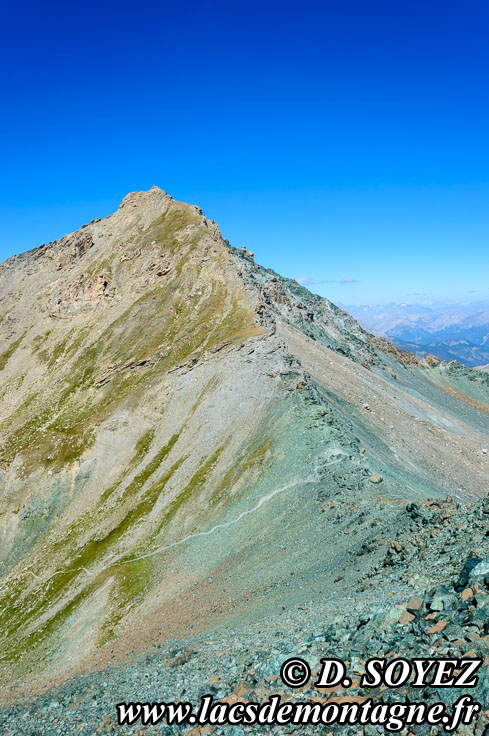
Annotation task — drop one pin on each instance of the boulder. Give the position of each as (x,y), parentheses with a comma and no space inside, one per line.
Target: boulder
(376,478)
(470,563)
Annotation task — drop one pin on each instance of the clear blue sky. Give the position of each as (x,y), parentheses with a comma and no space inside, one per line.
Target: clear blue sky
(344,142)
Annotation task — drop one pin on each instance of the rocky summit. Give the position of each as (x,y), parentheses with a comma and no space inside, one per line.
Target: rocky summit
(205,470)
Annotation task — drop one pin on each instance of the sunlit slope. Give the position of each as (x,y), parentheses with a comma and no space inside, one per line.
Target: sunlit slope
(187,437)
(105,434)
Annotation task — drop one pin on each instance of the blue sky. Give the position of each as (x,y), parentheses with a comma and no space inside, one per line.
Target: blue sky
(344,142)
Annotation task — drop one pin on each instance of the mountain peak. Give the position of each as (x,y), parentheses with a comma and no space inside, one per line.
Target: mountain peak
(144,197)
(157,389)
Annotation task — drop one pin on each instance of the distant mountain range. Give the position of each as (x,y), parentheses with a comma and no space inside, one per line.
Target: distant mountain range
(450,331)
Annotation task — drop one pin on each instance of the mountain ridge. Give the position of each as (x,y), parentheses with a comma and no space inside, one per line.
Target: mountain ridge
(156,383)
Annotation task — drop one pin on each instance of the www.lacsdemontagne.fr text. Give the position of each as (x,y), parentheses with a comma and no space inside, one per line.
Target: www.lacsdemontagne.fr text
(391,716)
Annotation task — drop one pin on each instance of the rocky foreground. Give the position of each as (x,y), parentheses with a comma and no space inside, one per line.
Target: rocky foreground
(243,664)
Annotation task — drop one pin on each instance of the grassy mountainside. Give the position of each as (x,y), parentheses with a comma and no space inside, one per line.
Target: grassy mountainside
(177,425)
